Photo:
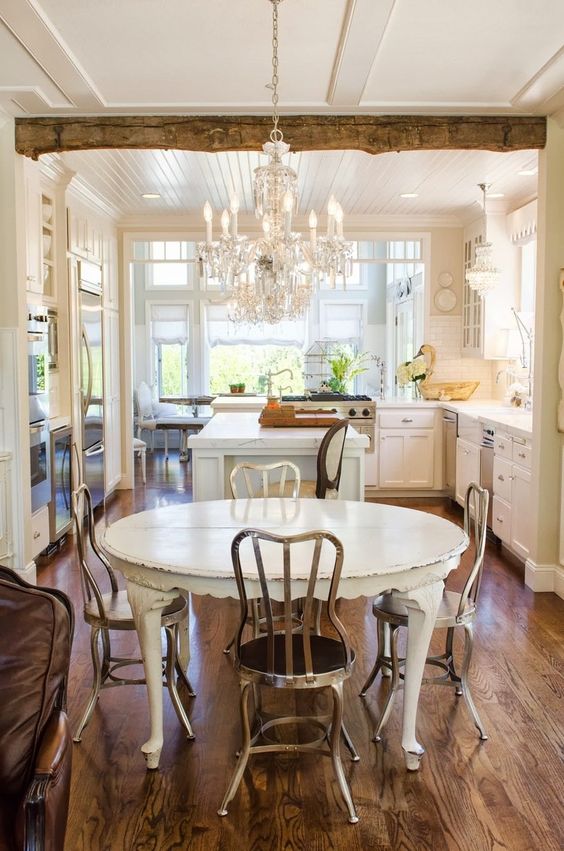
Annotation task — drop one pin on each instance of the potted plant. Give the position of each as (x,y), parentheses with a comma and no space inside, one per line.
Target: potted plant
(345,366)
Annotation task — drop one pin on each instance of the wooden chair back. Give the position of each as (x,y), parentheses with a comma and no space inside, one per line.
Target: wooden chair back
(285,623)
(83,516)
(258,480)
(330,459)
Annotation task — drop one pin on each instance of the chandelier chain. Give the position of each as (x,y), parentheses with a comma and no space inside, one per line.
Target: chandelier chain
(276,134)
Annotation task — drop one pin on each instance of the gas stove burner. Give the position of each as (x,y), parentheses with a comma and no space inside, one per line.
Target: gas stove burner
(327,397)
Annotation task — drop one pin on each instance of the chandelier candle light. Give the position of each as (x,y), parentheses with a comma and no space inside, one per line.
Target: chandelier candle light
(273,277)
(483,276)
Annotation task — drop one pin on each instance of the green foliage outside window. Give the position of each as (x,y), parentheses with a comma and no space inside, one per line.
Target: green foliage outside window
(248,365)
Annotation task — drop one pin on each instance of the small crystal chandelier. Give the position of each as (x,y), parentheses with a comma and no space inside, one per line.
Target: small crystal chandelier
(273,277)
(483,276)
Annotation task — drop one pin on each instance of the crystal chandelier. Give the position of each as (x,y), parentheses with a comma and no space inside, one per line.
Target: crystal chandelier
(483,276)
(273,277)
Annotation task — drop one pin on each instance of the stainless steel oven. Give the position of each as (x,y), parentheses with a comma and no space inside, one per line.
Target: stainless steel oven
(40,464)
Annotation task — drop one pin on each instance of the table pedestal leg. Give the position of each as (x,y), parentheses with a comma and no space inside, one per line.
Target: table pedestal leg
(147,605)
(422,605)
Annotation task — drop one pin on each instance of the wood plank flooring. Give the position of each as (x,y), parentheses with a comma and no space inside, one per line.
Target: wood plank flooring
(505,793)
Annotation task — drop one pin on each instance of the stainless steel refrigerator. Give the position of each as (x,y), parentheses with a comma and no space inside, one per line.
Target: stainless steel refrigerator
(92,379)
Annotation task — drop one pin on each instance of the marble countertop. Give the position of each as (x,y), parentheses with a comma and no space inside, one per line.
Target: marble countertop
(491,411)
(238,400)
(223,432)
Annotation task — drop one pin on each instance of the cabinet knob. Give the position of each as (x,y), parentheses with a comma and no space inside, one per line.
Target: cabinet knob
(36,535)
(30,278)
(467,452)
(501,478)
(499,519)
(407,420)
(501,445)
(521,455)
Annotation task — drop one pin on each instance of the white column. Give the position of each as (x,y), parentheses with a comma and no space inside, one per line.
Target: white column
(543,568)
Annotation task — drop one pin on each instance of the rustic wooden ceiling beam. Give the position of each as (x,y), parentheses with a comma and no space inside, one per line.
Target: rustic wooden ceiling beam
(213,133)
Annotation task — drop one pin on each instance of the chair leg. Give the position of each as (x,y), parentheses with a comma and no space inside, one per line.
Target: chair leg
(349,743)
(334,742)
(166,443)
(377,664)
(243,753)
(182,657)
(144,465)
(449,653)
(96,684)
(394,685)
(171,668)
(468,645)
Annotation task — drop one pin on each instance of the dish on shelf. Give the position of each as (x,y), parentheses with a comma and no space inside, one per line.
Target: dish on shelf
(445,300)
(46,244)
(46,211)
(445,279)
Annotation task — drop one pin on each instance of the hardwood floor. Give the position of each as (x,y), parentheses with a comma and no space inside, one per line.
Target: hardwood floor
(505,793)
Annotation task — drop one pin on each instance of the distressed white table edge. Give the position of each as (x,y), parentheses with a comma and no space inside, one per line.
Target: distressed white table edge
(146,549)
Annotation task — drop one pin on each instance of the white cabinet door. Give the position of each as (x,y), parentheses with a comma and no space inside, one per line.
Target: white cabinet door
(5,511)
(419,459)
(112,415)
(521,511)
(467,467)
(33,272)
(110,273)
(391,458)
(407,458)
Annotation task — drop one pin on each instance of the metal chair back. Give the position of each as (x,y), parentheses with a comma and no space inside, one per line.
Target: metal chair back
(83,516)
(330,459)
(259,484)
(285,623)
(475,520)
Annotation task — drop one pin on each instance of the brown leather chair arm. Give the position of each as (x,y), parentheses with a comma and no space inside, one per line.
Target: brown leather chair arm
(46,802)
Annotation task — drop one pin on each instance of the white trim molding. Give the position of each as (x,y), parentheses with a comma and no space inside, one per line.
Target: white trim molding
(544,577)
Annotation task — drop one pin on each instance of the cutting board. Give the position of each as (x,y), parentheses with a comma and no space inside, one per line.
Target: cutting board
(290,417)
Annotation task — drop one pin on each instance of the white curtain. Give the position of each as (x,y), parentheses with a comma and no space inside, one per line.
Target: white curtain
(169,323)
(220,331)
(343,322)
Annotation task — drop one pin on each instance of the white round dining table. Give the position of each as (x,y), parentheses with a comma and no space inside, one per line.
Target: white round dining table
(187,547)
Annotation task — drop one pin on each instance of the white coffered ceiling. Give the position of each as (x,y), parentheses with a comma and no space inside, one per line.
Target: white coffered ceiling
(80,57)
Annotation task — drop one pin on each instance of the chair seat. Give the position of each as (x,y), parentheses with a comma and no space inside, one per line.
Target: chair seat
(327,655)
(119,612)
(387,607)
(307,491)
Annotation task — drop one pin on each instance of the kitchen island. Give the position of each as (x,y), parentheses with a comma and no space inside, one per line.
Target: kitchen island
(227,440)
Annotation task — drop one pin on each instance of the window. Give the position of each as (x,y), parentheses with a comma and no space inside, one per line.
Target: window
(169,334)
(164,264)
(239,354)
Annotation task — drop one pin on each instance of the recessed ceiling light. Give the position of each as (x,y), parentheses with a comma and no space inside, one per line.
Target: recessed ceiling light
(150,195)
(495,194)
(527,172)
(409,195)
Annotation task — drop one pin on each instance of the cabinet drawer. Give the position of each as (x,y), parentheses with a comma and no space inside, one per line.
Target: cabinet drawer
(522,453)
(39,531)
(502,477)
(503,446)
(501,519)
(407,419)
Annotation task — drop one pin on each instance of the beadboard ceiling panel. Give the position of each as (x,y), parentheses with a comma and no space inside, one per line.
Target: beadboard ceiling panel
(445,181)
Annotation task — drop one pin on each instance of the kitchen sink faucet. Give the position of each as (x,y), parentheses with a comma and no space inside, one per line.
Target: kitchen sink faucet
(271,375)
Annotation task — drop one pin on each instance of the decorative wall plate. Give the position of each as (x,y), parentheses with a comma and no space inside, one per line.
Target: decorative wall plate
(445,279)
(445,300)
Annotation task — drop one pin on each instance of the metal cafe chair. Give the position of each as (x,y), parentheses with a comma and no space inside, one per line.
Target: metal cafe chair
(455,610)
(286,659)
(108,611)
(259,480)
(329,464)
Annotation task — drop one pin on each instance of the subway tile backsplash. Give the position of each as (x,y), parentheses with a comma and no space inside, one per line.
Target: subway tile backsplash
(445,334)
